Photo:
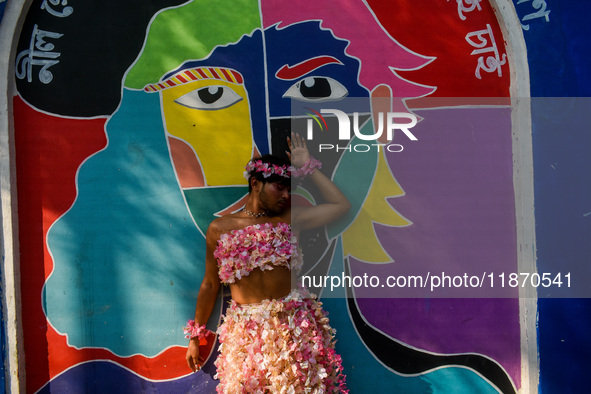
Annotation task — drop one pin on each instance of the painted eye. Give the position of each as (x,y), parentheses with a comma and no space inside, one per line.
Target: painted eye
(317,89)
(209,98)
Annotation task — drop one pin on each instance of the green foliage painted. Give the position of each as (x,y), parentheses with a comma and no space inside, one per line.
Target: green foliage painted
(190,31)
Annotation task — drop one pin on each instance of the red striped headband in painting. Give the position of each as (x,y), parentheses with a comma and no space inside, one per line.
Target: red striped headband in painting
(197,74)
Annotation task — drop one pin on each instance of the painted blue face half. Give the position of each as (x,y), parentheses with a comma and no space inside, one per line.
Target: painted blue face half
(308,64)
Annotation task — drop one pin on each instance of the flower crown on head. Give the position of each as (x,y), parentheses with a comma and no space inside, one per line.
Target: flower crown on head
(267,169)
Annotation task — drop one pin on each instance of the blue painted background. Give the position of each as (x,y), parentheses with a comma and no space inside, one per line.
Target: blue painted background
(2,341)
(559,61)
(2,330)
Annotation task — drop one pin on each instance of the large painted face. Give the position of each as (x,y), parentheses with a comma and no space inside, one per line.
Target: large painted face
(254,114)
(221,111)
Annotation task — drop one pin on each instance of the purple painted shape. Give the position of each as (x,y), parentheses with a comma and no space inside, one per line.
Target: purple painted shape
(458,183)
(448,326)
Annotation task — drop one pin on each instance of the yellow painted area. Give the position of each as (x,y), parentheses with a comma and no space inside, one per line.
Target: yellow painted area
(221,138)
(360,240)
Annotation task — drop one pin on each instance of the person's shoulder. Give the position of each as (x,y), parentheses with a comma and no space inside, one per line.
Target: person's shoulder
(221,225)
(217,222)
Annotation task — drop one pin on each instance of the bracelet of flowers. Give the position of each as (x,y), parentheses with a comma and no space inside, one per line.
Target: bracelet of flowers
(309,167)
(192,330)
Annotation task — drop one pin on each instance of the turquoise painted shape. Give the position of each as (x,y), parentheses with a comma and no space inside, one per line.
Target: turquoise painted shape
(354,176)
(128,257)
(205,203)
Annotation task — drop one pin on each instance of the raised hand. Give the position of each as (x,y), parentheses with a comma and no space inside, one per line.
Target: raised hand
(298,151)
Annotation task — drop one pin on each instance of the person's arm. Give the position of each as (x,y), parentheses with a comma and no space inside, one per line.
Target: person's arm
(335,203)
(206,297)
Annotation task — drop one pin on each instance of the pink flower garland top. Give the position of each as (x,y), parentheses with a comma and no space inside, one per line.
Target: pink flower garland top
(261,246)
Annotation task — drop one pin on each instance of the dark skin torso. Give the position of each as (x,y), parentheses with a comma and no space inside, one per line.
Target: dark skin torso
(262,285)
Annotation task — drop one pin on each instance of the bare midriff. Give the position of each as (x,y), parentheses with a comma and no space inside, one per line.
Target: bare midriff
(262,285)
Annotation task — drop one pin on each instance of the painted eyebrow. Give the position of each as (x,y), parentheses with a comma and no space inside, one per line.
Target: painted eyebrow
(298,70)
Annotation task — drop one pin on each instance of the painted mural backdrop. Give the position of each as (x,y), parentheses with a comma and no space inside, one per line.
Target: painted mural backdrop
(133,123)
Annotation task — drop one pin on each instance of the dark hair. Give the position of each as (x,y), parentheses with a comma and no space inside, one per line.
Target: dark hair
(274,178)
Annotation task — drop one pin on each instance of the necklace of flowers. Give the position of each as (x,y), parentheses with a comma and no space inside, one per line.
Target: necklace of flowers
(254,214)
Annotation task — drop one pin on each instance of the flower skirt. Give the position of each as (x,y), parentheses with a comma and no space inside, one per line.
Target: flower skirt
(278,346)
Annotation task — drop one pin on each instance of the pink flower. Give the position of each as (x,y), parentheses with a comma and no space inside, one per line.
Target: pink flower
(260,246)
(267,169)
(261,354)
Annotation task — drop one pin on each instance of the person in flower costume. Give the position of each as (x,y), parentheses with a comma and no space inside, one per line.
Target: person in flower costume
(273,338)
